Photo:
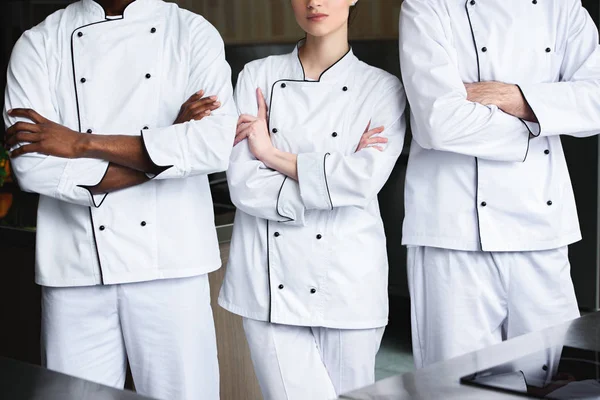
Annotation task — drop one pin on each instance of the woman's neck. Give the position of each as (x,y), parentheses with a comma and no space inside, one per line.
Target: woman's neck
(319,53)
(114,7)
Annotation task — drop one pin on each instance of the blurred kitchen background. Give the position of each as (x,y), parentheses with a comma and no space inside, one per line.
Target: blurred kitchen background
(254,29)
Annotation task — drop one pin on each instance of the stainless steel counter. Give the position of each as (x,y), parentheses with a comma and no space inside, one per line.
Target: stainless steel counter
(539,350)
(19,381)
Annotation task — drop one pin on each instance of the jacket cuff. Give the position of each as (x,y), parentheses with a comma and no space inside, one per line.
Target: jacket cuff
(535,98)
(79,175)
(312,179)
(165,152)
(289,203)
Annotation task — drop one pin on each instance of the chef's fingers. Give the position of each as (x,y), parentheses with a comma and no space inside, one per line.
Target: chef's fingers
(241,136)
(195,97)
(21,137)
(368,141)
(262,104)
(243,126)
(199,115)
(203,100)
(246,118)
(21,126)
(191,101)
(374,140)
(237,140)
(28,148)
(203,105)
(27,113)
(374,131)
(246,131)
(365,146)
(189,109)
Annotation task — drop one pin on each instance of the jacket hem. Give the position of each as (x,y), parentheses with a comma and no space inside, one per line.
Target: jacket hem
(133,277)
(512,246)
(295,321)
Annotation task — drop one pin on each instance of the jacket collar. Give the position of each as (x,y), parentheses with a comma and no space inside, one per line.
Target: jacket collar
(139,8)
(332,74)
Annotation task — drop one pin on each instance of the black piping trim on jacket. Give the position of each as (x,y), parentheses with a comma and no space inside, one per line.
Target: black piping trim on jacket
(529,137)
(79,126)
(269,126)
(325,175)
(96,245)
(277,206)
(73,63)
(90,192)
(271,107)
(474,41)
(538,120)
(269,271)
(476,159)
(327,69)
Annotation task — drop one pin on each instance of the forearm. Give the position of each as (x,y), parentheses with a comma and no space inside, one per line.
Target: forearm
(118,177)
(515,104)
(507,97)
(285,163)
(126,151)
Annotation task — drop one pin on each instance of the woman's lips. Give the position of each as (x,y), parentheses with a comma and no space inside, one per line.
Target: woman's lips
(317,17)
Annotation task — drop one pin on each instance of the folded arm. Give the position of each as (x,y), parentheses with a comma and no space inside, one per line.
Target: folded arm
(571,106)
(281,186)
(507,97)
(28,86)
(443,117)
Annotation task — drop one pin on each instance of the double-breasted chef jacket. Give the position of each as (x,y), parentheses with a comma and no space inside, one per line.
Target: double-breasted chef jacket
(478,178)
(312,252)
(126,75)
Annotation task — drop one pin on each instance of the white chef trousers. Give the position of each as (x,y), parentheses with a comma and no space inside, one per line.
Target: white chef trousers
(164,328)
(465,301)
(301,363)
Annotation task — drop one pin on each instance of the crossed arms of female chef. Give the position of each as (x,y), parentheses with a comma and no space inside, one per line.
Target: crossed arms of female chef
(255,130)
(127,155)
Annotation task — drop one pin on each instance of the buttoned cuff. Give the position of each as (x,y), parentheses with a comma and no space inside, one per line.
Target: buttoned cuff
(312,178)
(165,152)
(80,175)
(289,203)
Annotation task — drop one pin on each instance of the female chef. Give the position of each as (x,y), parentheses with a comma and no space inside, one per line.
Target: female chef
(308,267)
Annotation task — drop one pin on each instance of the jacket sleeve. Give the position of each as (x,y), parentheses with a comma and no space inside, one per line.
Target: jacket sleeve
(199,147)
(442,117)
(29,86)
(329,180)
(571,106)
(254,188)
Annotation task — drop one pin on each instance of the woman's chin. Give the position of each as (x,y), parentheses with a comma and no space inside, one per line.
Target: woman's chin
(318,31)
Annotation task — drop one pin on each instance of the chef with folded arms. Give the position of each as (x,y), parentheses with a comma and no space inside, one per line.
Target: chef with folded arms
(490,209)
(125,229)
(318,136)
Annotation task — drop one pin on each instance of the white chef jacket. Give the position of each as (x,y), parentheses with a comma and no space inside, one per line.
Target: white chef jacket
(475,179)
(124,76)
(312,252)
